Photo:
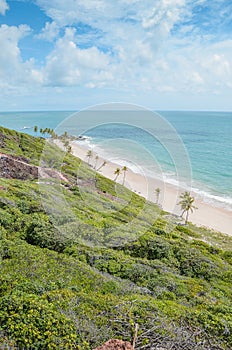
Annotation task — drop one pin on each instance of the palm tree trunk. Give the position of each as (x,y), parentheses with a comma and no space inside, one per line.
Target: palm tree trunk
(182,214)
(187,215)
(157,198)
(99,168)
(124,178)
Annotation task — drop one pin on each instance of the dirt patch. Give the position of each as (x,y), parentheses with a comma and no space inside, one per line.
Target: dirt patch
(115,344)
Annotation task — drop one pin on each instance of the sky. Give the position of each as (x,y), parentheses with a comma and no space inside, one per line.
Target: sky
(160,54)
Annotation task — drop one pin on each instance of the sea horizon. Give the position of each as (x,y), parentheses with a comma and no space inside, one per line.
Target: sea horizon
(205,134)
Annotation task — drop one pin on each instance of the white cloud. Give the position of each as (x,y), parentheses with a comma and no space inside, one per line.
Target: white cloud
(196,78)
(49,32)
(3,7)
(120,21)
(13,71)
(68,65)
(133,45)
(10,59)
(219,69)
(133,31)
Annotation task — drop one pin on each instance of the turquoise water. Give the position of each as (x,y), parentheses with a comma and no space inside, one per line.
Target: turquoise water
(208,139)
(25,121)
(152,146)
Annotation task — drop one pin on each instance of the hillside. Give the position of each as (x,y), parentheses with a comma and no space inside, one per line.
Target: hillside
(83,261)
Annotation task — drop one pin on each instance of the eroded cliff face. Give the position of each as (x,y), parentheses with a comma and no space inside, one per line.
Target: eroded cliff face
(17,168)
(12,167)
(2,140)
(114,344)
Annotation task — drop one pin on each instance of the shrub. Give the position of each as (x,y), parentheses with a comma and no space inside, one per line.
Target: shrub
(193,264)
(151,247)
(42,233)
(34,323)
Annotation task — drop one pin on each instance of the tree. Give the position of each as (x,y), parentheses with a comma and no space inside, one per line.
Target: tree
(89,155)
(65,135)
(157,192)
(53,134)
(124,169)
(96,160)
(69,149)
(102,165)
(186,204)
(117,173)
(66,144)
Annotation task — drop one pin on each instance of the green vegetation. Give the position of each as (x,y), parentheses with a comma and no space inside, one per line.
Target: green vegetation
(117,173)
(186,203)
(89,155)
(101,166)
(85,260)
(19,144)
(124,170)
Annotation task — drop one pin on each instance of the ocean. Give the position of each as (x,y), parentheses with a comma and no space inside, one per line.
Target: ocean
(185,148)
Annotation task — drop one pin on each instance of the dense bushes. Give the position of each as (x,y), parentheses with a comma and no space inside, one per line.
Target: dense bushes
(193,259)
(42,233)
(151,247)
(35,323)
(193,264)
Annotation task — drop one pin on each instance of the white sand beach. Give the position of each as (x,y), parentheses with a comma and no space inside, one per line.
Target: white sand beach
(213,217)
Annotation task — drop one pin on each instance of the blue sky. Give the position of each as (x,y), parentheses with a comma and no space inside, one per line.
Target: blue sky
(162,54)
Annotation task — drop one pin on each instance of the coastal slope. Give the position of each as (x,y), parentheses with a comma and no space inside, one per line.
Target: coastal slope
(84,259)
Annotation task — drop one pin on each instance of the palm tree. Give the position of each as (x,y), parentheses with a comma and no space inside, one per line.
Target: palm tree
(186,204)
(124,169)
(53,134)
(69,149)
(102,165)
(96,159)
(65,135)
(157,192)
(35,129)
(117,173)
(66,144)
(89,155)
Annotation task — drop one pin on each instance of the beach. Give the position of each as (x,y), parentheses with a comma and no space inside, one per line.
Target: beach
(207,215)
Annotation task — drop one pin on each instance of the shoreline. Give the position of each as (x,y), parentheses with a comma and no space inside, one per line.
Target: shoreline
(207,215)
